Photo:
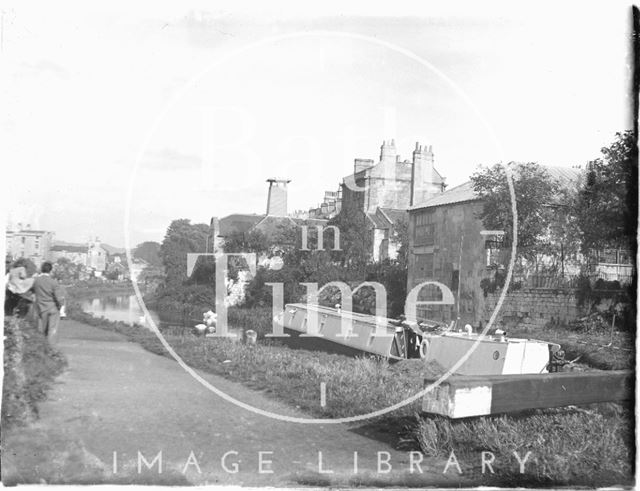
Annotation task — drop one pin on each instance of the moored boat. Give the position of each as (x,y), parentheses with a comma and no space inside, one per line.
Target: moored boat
(317,327)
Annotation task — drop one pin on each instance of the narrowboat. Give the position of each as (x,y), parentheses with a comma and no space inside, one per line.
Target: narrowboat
(332,329)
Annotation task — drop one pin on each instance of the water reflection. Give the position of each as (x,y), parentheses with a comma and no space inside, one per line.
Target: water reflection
(125,308)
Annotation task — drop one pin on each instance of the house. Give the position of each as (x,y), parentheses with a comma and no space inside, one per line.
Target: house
(23,242)
(96,257)
(448,244)
(382,192)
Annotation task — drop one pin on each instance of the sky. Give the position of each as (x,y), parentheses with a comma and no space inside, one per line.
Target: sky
(129,115)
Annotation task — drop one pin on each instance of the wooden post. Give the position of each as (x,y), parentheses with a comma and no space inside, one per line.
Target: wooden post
(462,396)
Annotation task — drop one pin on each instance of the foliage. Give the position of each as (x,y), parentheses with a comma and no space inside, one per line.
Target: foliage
(149,252)
(355,239)
(607,204)
(182,238)
(545,221)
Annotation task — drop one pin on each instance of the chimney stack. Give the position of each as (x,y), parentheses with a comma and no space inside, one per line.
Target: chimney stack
(388,152)
(277,198)
(421,174)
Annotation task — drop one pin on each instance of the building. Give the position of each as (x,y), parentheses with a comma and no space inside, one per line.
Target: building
(75,253)
(383,192)
(447,244)
(96,257)
(27,243)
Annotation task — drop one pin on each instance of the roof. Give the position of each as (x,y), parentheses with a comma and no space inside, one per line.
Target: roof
(464,192)
(238,223)
(69,248)
(377,221)
(458,194)
(394,215)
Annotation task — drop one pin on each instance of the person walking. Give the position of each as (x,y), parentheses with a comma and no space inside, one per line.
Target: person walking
(49,300)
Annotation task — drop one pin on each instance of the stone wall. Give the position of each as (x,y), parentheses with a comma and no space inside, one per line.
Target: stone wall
(533,308)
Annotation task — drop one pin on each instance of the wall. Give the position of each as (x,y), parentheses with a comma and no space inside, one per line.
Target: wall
(533,308)
(438,258)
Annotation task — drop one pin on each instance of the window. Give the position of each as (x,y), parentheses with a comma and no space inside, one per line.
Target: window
(37,243)
(424,233)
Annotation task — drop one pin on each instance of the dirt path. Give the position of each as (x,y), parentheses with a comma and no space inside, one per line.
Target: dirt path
(115,397)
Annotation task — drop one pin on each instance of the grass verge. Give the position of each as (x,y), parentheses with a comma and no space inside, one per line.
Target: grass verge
(30,366)
(568,446)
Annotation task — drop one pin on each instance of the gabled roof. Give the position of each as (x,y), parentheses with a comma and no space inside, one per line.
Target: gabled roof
(394,215)
(378,221)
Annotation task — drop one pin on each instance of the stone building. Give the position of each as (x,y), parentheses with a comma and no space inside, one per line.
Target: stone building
(96,257)
(384,191)
(28,243)
(447,244)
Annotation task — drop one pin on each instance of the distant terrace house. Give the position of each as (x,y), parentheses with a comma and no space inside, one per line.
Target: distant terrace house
(77,254)
(27,243)
(382,192)
(445,245)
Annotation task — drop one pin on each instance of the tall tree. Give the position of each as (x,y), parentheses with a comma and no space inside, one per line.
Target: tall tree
(148,251)
(182,238)
(607,206)
(540,199)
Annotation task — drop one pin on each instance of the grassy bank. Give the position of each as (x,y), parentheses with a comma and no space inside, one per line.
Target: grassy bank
(30,366)
(568,446)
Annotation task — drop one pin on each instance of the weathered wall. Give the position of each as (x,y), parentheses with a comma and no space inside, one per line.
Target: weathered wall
(438,258)
(533,308)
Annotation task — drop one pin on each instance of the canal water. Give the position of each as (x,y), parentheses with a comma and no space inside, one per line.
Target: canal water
(125,308)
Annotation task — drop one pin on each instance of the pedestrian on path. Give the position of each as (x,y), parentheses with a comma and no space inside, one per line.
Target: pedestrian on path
(49,301)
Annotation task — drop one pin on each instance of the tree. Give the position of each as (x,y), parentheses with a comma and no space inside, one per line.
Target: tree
(542,204)
(182,238)
(355,239)
(148,251)
(607,205)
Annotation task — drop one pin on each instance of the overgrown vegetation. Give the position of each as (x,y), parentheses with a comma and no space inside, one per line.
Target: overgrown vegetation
(30,366)
(569,446)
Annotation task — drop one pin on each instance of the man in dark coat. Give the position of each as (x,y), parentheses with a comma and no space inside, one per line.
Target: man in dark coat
(49,300)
